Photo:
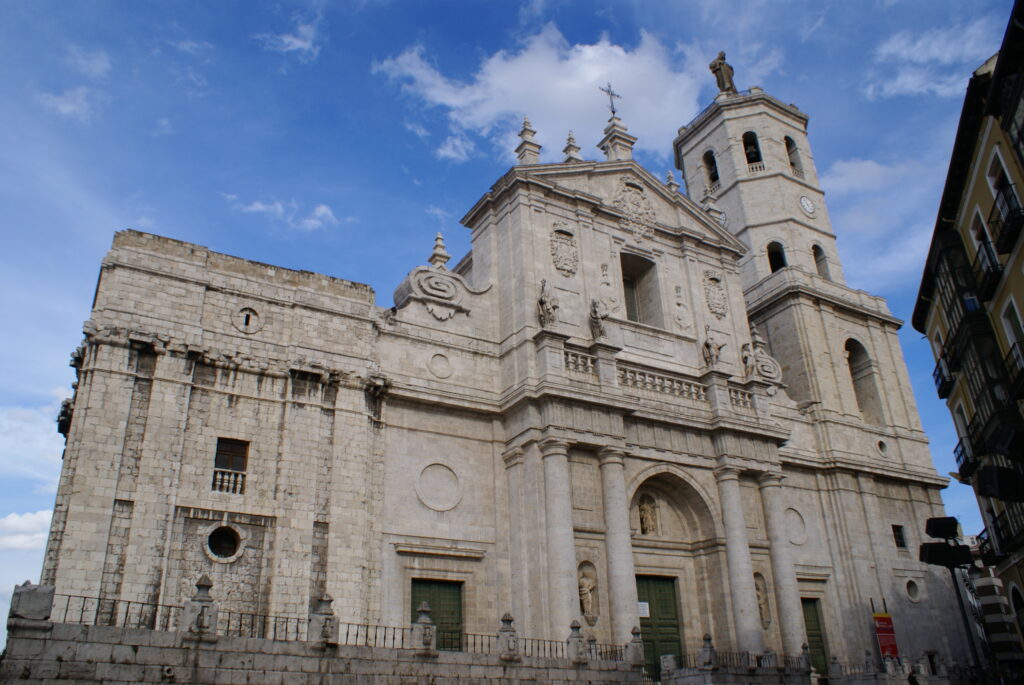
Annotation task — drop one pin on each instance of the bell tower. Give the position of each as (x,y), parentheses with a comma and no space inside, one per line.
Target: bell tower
(747,160)
(747,156)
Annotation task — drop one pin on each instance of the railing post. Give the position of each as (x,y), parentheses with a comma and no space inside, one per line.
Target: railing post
(805,658)
(424,634)
(323,626)
(199,615)
(835,670)
(707,659)
(508,643)
(575,647)
(635,649)
(31,606)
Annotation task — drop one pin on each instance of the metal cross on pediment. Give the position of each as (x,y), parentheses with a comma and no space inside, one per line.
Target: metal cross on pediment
(611,96)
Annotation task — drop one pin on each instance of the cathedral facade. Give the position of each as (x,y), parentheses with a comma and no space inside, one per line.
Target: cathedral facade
(625,406)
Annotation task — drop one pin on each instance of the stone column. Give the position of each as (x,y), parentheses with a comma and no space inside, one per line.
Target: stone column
(749,637)
(619,548)
(563,591)
(787,593)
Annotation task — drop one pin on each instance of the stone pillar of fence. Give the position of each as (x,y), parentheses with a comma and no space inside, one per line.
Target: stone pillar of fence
(508,643)
(30,607)
(635,649)
(575,646)
(835,670)
(669,665)
(323,626)
(805,658)
(424,634)
(707,658)
(199,615)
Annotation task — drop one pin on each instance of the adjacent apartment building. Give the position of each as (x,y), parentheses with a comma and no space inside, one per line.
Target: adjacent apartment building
(970,307)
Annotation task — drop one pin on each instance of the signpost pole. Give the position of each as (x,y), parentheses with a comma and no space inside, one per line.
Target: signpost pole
(963,614)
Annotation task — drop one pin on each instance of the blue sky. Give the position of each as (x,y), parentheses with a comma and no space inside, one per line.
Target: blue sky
(339,137)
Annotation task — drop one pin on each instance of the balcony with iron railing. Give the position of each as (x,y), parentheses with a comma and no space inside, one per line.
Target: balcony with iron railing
(943,377)
(969,324)
(997,426)
(1014,363)
(966,461)
(1005,535)
(988,270)
(1005,220)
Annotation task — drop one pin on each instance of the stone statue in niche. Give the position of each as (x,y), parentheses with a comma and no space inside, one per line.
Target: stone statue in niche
(648,511)
(547,306)
(586,578)
(608,293)
(598,313)
(749,362)
(712,348)
(683,318)
(723,74)
(764,609)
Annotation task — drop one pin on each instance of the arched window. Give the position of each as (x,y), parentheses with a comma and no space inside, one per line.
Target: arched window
(862,374)
(794,158)
(751,148)
(710,168)
(776,256)
(821,261)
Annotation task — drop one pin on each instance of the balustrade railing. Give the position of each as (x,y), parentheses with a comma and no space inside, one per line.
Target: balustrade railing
(580,363)
(232,482)
(755,167)
(741,399)
(632,377)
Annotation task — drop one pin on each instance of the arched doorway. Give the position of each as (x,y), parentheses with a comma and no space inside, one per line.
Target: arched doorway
(679,566)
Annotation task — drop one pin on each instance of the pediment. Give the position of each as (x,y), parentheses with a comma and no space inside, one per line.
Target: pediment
(642,203)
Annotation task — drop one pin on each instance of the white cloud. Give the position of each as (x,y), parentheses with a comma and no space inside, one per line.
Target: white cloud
(456,147)
(302,41)
(25,531)
(94,64)
(191,47)
(79,103)
(657,95)
(164,127)
(850,176)
(290,214)
(935,61)
(416,129)
(441,215)
(30,446)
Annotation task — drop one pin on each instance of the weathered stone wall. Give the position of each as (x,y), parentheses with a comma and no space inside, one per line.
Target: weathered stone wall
(47,653)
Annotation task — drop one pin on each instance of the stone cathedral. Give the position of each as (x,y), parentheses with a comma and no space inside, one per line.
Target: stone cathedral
(625,406)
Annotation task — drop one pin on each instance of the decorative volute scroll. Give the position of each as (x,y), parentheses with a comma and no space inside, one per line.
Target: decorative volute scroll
(637,211)
(441,291)
(757,363)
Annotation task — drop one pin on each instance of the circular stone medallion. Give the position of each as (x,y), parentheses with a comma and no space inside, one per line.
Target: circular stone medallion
(438,487)
(796,526)
(440,366)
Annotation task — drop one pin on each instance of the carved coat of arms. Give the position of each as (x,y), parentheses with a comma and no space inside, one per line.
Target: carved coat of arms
(636,207)
(564,252)
(714,293)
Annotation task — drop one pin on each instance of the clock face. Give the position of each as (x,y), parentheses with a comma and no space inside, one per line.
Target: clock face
(806,205)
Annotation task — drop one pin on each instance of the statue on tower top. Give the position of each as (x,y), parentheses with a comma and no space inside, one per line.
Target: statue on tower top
(723,74)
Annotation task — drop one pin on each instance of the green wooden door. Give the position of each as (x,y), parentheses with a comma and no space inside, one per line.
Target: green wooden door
(815,635)
(445,601)
(660,631)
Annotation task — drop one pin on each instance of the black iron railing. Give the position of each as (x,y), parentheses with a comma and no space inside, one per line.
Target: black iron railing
(1005,220)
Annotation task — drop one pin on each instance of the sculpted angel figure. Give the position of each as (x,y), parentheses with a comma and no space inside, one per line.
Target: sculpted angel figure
(547,304)
(712,348)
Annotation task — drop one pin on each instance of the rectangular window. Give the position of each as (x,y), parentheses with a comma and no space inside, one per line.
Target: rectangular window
(229,466)
(899,537)
(629,295)
(640,290)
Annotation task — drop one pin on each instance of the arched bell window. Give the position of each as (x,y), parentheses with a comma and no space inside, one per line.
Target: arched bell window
(751,148)
(865,389)
(710,168)
(776,256)
(794,158)
(820,261)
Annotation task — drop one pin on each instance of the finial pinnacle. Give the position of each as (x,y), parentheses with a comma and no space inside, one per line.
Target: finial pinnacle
(528,151)
(571,149)
(439,257)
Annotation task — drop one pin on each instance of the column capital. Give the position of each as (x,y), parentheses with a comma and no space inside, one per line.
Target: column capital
(512,456)
(550,447)
(724,473)
(770,480)
(611,455)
